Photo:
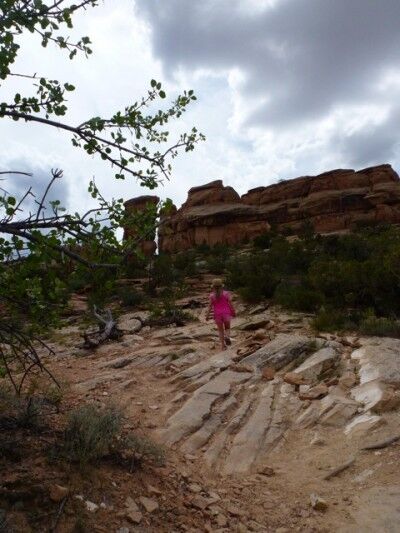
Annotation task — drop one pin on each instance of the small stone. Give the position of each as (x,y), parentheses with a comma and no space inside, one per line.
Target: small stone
(131,504)
(195,487)
(315,393)
(259,335)
(268,373)
(91,506)
(235,511)
(153,490)
(389,401)
(293,378)
(57,493)
(348,380)
(221,520)
(134,516)
(317,441)
(318,503)
(267,471)
(149,504)
(200,502)
(123,530)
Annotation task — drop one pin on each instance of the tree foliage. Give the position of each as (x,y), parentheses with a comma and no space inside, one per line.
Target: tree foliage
(40,247)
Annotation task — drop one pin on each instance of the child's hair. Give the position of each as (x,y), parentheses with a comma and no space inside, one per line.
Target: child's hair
(217,285)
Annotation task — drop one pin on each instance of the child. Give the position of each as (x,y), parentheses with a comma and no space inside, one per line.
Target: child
(220,303)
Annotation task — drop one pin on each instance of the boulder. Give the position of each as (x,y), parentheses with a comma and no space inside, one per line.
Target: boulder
(318,363)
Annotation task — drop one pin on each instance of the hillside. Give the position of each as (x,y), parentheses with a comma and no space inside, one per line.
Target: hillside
(249,433)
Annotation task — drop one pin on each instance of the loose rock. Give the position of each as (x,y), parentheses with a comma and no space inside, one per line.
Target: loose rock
(318,503)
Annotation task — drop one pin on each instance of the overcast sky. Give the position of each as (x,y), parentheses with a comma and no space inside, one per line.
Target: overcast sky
(285,88)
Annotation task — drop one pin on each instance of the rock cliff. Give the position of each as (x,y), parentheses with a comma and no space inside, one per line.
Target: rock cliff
(333,201)
(135,208)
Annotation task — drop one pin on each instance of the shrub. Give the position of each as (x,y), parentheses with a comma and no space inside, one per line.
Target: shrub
(90,433)
(263,241)
(380,327)
(336,320)
(185,262)
(298,297)
(253,276)
(131,297)
(143,448)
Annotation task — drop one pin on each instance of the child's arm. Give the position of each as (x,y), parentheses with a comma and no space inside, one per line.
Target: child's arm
(231,306)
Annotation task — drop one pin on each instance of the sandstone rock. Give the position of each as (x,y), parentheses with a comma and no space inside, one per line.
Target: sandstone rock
(362,424)
(318,503)
(57,492)
(267,471)
(200,502)
(195,487)
(149,504)
(221,520)
(317,440)
(348,380)
(91,506)
(131,505)
(134,516)
(260,335)
(376,396)
(133,207)
(235,511)
(281,351)
(379,360)
(294,378)
(315,392)
(319,362)
(268,373)
(254,324)
(332,201)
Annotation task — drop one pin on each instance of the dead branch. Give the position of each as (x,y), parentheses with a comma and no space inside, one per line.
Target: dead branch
(108,329)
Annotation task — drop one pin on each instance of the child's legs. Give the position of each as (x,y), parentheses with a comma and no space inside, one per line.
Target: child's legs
(221,331)
(227,327)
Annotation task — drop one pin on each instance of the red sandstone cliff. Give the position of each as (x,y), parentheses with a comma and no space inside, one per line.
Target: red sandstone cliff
(333,201)
(133,208)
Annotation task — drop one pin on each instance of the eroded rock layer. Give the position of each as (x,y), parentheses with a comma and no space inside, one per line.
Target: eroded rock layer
(333,201)
(141,206)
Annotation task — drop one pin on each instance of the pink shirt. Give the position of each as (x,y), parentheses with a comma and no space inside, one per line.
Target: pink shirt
(221,305)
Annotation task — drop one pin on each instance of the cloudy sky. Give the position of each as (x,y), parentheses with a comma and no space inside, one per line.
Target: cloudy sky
(285,88)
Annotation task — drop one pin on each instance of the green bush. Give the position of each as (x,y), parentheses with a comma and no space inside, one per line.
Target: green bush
(185,262)
(131,297)
(90,433)
(263,241)
(380,327)
(143,448)
(336,320)
(298,297)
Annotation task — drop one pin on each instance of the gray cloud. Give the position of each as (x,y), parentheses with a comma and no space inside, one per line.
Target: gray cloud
(302,59)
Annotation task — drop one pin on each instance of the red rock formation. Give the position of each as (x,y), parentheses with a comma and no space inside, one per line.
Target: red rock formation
(138,205)
(333,201)
(212,214)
